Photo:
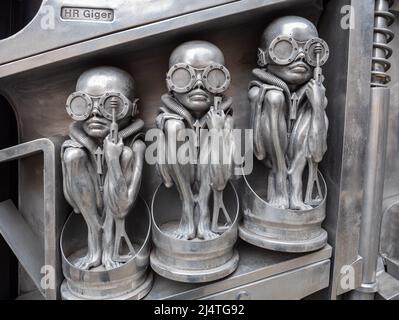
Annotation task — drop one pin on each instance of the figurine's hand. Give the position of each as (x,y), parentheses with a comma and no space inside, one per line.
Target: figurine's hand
(316,93)
(112,150)
(216,119)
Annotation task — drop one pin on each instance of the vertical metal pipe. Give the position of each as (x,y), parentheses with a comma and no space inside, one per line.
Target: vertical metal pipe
(376,153)
(373,192)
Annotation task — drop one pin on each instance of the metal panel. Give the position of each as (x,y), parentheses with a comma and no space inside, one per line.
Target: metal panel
(390,225)
(22,240)
(48,23)
(348,111)
(293,285)
(145,32)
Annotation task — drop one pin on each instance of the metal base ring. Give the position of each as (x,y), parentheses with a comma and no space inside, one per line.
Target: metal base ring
(194,276)
(137,294)
(283,245)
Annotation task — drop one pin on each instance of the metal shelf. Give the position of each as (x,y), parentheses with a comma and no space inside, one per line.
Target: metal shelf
(261,274)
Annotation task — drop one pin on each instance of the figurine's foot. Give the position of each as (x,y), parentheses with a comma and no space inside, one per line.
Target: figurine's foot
(88,262)
(280,202)
(186,231)
(123,259)
(109,263)
(299,205)
(204,230)
(207,235)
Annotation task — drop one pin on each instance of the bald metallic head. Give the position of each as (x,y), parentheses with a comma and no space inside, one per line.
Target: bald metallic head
(199,55)
(96,82)
(301,30)
(298,28)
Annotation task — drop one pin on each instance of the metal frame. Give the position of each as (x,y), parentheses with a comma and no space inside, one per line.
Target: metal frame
(12,224)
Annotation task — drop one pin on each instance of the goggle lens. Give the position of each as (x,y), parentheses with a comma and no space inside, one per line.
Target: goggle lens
(181,77)
(113,103)
(217,79)
(314,47)
(79,106)
(283,50)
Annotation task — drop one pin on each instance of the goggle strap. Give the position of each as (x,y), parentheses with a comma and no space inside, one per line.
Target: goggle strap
(261,57)
(134,106)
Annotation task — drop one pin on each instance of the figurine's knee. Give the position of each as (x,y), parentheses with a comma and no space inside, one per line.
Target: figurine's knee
(173,126)
(253,94)
(127,155)
(138,148)
(132,154)
(74,156)
(275,100)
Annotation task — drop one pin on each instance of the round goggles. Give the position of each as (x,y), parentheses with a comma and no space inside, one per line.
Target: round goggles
(283,50)
(182,77)
(79,105)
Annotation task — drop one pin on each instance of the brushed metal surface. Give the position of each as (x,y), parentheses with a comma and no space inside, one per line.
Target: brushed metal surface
(292,285)
(388,287)
(49,24)
(53,213)
(38,94)
(348,112)
(389,245)
(145,33)
(25,244)
(255,264)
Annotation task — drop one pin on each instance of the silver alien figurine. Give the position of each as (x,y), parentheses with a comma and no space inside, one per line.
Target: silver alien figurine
(288,102)
(196,81)
(102,162)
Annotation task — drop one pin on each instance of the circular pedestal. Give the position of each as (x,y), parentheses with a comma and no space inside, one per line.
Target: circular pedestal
(140,292)
(276,229)
(130,281)
(192,261)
